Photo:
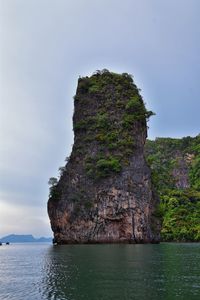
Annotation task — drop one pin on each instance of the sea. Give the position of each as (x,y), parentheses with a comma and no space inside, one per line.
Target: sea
(100,272)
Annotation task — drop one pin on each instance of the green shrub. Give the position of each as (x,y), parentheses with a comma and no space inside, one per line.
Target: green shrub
(85,124)
(106,166)
(127,141)
(80,125)
(195,173)
(105,137)
(128,121)
(54,192)
(102,121)
(52,181)
(120,104)
(94,88)
(84,84)
(113,146)
(99,167)
(180,213)
(134,104)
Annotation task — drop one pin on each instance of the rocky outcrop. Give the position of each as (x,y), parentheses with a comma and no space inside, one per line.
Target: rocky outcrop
(173,162)
(175,165)
(105,194)
(180,172)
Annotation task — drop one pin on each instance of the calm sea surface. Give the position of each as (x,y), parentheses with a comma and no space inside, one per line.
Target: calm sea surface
(100,272)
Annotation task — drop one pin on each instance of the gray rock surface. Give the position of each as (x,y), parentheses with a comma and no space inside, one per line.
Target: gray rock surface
(105,194)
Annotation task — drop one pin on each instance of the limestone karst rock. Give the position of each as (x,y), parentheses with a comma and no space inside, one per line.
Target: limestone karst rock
(105,194)
(175,165)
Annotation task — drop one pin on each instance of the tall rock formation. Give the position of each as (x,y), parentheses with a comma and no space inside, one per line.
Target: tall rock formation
(105,194)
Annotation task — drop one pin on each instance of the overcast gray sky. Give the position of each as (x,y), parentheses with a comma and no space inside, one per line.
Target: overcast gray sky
(45,45)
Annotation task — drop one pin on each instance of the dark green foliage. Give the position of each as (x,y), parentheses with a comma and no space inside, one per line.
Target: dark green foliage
(106,166)
(134,104)
(126,141)
(195,174)
(195,167)
(102,167)
(107,137)
(85,124)
(61,171)
(53,181)
(81,125)
(54,192)
(180,212)
(128,121)
(135,111)
(101,79)
(120,104)
(102,121)
(179,208)
(94,88)
(149,114)
(84,85)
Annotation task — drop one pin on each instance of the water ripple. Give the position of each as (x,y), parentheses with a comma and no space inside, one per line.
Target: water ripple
(100,272)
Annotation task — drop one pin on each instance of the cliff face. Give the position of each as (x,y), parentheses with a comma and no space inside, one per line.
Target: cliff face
(105,192)
(175,165)
(174,162)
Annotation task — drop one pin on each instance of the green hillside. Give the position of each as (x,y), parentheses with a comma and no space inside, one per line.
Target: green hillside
(175,165)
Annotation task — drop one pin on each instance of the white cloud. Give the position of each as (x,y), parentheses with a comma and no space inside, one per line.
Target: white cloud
(23,219)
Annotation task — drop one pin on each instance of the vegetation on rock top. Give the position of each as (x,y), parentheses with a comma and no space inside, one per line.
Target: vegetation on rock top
(109,125)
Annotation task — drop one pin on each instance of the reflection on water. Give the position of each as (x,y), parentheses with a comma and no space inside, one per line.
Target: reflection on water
(166,271)
(100,272)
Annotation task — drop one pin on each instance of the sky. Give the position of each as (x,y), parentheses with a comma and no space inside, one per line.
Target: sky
(45,45)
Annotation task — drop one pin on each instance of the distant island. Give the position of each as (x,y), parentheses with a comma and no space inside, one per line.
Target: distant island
(24,238)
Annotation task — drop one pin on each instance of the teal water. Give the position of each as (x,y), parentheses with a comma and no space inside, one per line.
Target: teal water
(100,272)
